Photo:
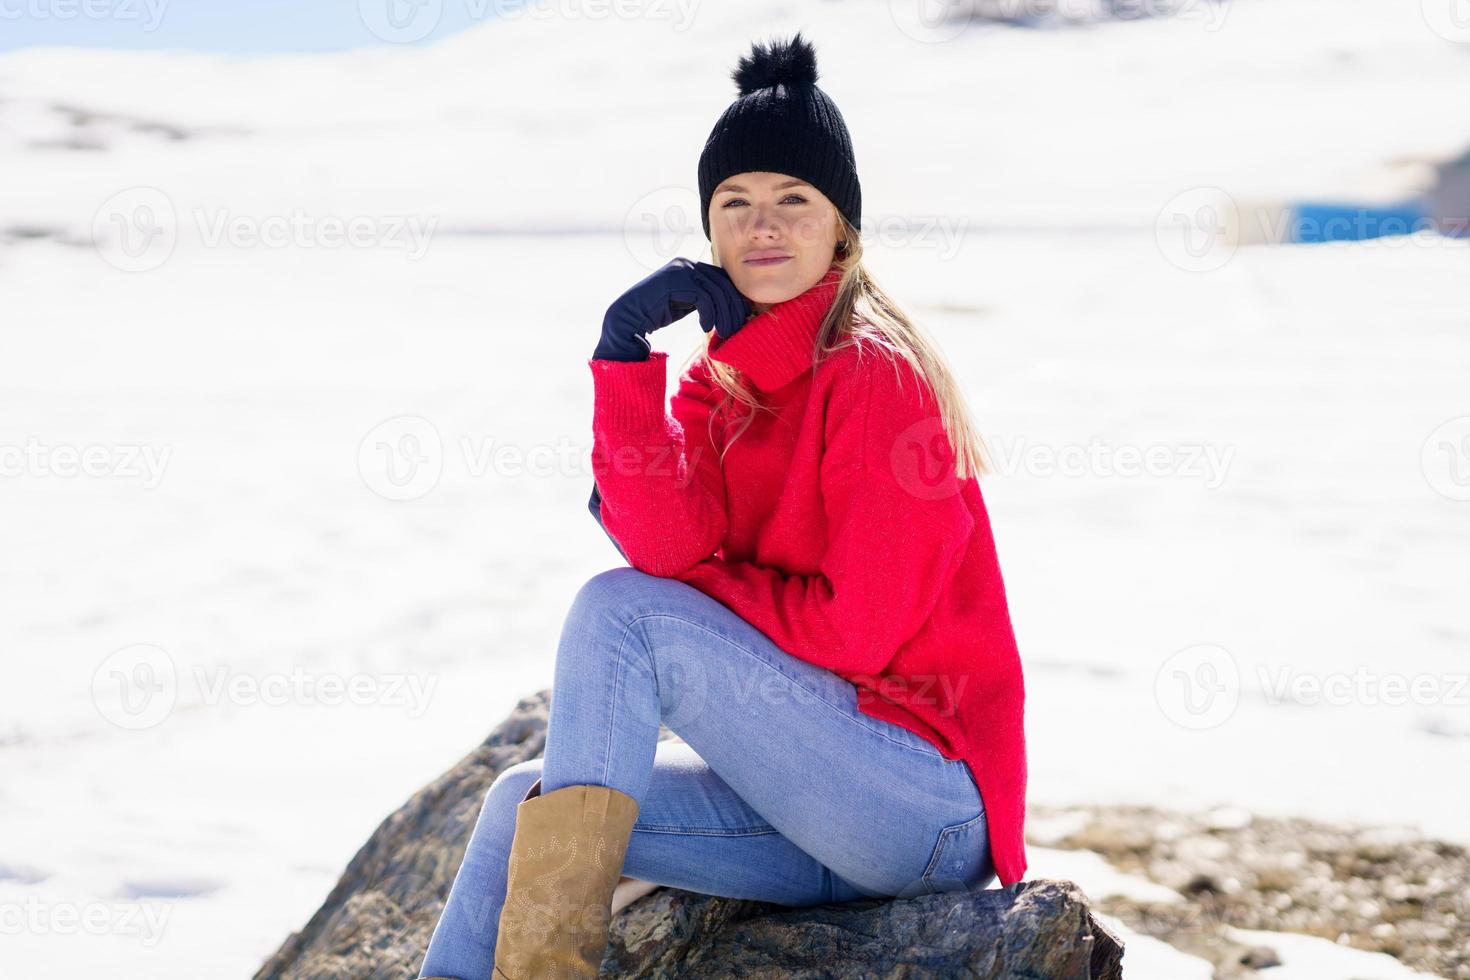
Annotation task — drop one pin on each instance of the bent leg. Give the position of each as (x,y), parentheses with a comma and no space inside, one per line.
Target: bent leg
(864,798)
(693,832)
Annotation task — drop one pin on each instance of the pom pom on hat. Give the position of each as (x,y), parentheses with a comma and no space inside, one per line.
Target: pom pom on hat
(792,62)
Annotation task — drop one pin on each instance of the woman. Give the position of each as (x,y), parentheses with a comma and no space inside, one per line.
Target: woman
(814,602)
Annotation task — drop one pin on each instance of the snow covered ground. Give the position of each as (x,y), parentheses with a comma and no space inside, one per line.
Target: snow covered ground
(238,634)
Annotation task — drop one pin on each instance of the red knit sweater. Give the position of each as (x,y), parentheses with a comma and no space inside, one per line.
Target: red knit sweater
(835,526)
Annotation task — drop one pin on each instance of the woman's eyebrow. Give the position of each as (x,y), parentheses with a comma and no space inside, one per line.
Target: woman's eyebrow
(737,189)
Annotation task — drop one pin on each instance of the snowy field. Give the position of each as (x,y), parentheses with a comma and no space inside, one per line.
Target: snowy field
(236,634)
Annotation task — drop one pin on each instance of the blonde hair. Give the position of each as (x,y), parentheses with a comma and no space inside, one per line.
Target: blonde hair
(861,310)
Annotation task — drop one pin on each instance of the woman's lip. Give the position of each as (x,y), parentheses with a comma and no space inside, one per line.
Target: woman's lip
(773,260)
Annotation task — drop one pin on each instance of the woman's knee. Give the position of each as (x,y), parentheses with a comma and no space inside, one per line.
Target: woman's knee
(509,789)
(608,603)
(612,588)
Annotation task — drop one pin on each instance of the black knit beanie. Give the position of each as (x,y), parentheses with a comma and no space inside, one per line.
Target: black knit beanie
(782,123)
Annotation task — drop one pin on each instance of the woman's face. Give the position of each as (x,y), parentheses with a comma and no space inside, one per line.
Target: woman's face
(759,215)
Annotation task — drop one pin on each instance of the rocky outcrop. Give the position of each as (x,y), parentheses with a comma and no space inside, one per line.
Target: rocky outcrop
(377,921)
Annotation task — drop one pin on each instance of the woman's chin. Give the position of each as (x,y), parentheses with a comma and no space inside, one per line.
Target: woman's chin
(769,288)
(764,299)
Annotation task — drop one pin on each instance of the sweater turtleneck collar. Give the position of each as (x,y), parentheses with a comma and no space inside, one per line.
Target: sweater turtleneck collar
(774,347)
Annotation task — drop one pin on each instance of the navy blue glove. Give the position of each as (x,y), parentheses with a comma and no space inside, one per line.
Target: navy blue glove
(668,294)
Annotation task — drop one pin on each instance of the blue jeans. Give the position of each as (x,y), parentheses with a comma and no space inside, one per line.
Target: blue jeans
(782,790)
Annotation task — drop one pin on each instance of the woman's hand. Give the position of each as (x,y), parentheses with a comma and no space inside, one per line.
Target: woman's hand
(670,293)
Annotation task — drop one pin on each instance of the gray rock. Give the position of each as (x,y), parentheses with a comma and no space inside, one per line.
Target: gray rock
(377,920)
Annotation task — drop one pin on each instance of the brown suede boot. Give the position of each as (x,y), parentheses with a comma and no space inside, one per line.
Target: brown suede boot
(565,860)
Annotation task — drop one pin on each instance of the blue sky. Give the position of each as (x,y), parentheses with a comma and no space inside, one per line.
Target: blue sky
(241,26)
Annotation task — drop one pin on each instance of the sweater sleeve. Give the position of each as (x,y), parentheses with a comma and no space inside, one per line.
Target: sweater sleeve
(897,531)
(658,472)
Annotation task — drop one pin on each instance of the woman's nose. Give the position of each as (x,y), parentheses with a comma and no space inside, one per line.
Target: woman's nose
(765,222)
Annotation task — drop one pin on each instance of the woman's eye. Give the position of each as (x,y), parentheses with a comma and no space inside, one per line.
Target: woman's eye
(789,197)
